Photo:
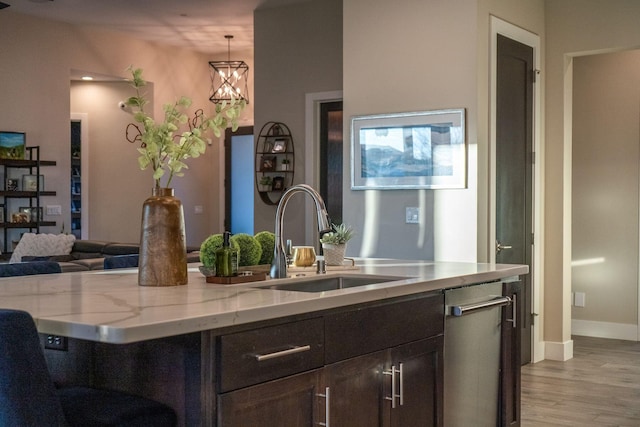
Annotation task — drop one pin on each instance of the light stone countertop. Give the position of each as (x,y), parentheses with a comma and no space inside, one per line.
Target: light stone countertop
(109,306)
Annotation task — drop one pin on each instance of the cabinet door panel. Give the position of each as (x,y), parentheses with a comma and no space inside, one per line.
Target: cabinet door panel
(422,383)
(287,402)
(356,389)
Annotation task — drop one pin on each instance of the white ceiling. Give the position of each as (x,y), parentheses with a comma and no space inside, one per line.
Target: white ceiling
(195,24)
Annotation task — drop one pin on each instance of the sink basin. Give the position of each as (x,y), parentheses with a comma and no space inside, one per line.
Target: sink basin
(330,283)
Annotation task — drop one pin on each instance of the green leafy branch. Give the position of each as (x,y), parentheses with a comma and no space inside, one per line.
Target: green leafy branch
(163,148)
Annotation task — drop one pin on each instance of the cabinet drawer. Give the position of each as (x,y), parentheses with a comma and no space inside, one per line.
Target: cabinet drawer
(373,328)
(259,355)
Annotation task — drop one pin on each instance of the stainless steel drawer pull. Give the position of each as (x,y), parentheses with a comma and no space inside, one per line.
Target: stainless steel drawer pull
(327,399)
(287,352)
(461,310)
(394,392)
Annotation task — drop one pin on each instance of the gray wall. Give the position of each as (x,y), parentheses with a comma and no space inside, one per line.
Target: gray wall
(606,113)
(298,50)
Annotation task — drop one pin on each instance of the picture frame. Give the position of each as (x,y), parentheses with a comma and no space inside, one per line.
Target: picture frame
(268,163)
(279,145)
(415,150)
(34,214)
(12,145)
(12,184)
(278,183)
(30,182)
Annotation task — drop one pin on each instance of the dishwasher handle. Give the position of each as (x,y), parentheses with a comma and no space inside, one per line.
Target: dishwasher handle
(461,310)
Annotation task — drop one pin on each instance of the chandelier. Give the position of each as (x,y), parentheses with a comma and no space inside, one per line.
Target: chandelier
(228,78)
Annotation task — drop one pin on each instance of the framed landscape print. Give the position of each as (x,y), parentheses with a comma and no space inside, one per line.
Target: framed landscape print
(12,145)
(419,150)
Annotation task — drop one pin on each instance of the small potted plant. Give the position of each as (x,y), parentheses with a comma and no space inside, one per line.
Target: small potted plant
(265,183)
(334,244)
(285,164)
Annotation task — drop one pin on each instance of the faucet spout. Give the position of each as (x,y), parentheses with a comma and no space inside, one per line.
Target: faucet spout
(279,264)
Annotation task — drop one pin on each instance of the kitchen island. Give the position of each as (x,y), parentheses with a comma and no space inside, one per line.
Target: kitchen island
(188,345)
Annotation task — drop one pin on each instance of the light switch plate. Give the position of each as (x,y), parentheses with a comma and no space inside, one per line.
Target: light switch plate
(412,215)
(54,210)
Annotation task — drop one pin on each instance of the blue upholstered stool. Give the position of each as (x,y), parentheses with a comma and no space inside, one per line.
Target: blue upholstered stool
(29,268)
(29,398)
(121,261)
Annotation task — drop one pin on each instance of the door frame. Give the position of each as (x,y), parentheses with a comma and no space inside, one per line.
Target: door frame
(226,178)
(312,151)
(83,118)
(499,26)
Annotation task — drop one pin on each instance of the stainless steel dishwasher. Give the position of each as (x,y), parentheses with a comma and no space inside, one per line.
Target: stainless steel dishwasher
(472,354)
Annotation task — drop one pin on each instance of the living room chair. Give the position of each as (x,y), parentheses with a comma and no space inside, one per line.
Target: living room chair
(121,261)
(29,268)
(28,396)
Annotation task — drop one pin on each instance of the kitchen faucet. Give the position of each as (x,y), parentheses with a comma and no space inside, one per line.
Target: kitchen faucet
(279,264)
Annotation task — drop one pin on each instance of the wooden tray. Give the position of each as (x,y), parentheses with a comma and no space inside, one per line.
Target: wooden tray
(256,277)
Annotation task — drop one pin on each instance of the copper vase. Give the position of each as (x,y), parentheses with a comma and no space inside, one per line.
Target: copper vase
(163,248)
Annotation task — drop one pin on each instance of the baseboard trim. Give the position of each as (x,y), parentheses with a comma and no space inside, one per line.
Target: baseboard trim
(618,331)
(559,351)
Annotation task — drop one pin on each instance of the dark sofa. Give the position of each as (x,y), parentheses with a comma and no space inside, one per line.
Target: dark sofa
(90,254)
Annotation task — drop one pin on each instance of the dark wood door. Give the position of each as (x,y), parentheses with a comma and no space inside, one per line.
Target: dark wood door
(514,166)
(510,356)
(356,389)
(290,402)
(422,383)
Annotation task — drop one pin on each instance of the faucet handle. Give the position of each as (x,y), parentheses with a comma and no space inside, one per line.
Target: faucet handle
(288,251)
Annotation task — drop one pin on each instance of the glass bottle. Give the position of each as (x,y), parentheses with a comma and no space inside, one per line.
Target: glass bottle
(226,259)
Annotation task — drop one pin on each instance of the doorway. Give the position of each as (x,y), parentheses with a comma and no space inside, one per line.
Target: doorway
(79,175)
(331,158)
(239,180)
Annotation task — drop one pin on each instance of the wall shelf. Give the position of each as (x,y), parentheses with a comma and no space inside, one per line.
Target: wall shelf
(11,170)
(275,162)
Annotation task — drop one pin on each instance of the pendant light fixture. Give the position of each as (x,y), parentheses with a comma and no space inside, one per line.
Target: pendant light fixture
(228,78)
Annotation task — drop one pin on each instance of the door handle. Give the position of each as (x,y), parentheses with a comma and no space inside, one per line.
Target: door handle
(500,246)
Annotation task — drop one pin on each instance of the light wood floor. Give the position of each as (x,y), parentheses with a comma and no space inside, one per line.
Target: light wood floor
(600,386)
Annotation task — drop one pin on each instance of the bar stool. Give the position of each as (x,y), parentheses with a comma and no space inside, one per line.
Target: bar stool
(28,396)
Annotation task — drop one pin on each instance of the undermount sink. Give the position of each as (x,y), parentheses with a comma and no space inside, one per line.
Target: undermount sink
(330,283)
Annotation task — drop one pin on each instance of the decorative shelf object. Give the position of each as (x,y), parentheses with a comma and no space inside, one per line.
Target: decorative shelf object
(274,161)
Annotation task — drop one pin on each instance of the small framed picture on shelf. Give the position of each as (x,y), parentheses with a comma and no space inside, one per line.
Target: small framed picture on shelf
(12,184)
(12,145)
(30,182)
(20,217)
(278,183)
(268,163)
(279,145)
(32,213)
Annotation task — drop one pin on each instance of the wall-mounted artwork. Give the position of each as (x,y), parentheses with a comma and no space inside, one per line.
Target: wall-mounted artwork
(12,145)
(418,150)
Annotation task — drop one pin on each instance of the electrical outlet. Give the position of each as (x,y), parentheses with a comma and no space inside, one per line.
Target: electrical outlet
(56,342)
(579,299)
(198,209)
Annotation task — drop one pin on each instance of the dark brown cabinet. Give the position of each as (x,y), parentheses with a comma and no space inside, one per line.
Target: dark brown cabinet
(291,402)
(512,318)
(398,387)
(382,367)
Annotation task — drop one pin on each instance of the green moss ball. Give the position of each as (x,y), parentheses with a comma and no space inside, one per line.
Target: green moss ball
(268,242)
(210,246)
(250,249)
